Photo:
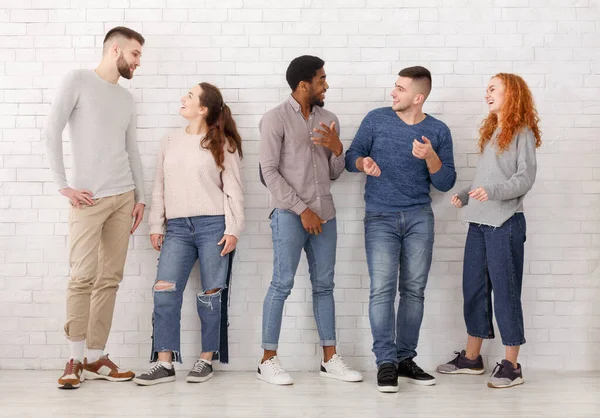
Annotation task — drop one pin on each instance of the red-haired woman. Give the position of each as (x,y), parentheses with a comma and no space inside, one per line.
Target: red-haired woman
(198,199)
(494,249)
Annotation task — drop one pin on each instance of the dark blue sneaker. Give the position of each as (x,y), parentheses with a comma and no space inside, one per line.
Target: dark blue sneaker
(505,375)
(462,365)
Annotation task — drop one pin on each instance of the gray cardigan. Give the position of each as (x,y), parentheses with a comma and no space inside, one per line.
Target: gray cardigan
(506,178)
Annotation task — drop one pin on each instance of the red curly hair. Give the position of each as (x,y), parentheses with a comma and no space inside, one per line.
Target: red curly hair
(518,112)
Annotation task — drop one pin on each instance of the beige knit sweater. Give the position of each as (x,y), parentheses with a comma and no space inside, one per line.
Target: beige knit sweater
(189,183)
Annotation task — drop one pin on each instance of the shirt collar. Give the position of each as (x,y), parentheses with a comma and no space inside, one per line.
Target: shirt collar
(296,106)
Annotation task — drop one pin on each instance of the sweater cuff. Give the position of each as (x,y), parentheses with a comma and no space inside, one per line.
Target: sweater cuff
(351,163)
(442,179)
(491,191)
(235,230)
(157,229)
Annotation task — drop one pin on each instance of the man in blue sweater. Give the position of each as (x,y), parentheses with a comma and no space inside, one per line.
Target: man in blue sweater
(402,150)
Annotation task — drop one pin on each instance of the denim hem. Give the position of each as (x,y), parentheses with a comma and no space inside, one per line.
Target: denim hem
(401,359)
(269,346)
(514,344)
(487,337)
(222,353)
(380,362)
(176,356)
(328,343)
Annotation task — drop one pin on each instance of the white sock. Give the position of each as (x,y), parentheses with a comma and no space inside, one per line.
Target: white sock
(77,350)
(94,355)
(166,365)
(206,361)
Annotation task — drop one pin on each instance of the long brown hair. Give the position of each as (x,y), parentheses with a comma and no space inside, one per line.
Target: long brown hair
(518,112)
(221,126)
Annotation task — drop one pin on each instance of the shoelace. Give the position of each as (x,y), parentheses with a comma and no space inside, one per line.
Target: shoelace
(275,366)
(339,361)
(199,365)
(154,369)
(414,368)
(455,360)
(500,368)
(70,369)
(108,362)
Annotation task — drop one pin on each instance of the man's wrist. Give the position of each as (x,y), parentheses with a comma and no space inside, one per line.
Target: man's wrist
(339,150)
(360,164)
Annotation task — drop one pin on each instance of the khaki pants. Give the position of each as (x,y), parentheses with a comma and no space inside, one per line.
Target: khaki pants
(99,236)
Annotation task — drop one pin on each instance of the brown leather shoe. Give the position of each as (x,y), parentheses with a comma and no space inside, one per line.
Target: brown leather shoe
(72,376)
(105,369)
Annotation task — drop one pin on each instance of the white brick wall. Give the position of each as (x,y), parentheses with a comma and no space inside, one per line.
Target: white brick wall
(244,47)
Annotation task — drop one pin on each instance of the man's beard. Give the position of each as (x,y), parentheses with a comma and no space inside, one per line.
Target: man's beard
(316,101)
(124,68)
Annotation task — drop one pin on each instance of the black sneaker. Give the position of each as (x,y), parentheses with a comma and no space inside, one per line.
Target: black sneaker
(201,372)
(410,372)
(387,378)
(462,365)
(157,374)
(505,375)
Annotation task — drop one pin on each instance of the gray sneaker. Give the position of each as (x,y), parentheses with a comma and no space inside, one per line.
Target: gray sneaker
(154,376)
(201,372)
(505,375)
(462,365)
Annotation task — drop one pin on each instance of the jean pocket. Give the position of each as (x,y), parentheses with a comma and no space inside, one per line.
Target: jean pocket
(370,216)
(427,209)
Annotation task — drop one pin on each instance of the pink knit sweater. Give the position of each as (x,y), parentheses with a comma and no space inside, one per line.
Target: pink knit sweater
(189,183)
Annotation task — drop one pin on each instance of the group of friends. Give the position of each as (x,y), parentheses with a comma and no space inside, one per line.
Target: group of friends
(197,214)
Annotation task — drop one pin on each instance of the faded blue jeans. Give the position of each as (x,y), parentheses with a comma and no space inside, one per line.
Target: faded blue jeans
(399,248)
(494,262)
(289,238)
(188,240)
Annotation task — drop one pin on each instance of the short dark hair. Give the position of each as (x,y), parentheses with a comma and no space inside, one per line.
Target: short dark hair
(126,33)
(420,74)
(303,68)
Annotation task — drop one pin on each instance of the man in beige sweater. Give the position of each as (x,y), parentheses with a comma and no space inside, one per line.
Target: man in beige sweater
(106,191)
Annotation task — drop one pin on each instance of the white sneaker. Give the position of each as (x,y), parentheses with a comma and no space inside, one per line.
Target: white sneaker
(271,372)
(336,368)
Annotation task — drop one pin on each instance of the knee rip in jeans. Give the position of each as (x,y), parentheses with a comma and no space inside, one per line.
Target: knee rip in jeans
(164,286)
(207,297)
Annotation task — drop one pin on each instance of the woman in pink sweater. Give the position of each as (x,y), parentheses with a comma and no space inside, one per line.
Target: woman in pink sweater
(198,198)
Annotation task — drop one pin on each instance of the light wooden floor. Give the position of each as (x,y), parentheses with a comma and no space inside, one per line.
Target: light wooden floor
(228,394)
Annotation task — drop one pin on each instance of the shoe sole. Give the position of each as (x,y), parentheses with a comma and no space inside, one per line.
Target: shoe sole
(417,382)
(72,386)
(95,376)
(192,379)
(261,377)
(387,389)
(338,377)
(517,381)
(465,371)
(154,382)
(69,386)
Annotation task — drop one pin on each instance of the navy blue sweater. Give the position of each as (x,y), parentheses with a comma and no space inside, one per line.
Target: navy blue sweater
(405,179)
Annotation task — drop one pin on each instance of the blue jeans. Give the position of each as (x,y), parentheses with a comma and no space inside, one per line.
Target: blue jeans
(188,240)
(399,245)
(494,261)
(289,238)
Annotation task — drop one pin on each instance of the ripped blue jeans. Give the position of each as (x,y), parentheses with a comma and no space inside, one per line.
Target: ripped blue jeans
(188,240)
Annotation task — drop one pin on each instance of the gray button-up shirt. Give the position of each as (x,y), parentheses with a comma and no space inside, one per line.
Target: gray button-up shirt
(297,172)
